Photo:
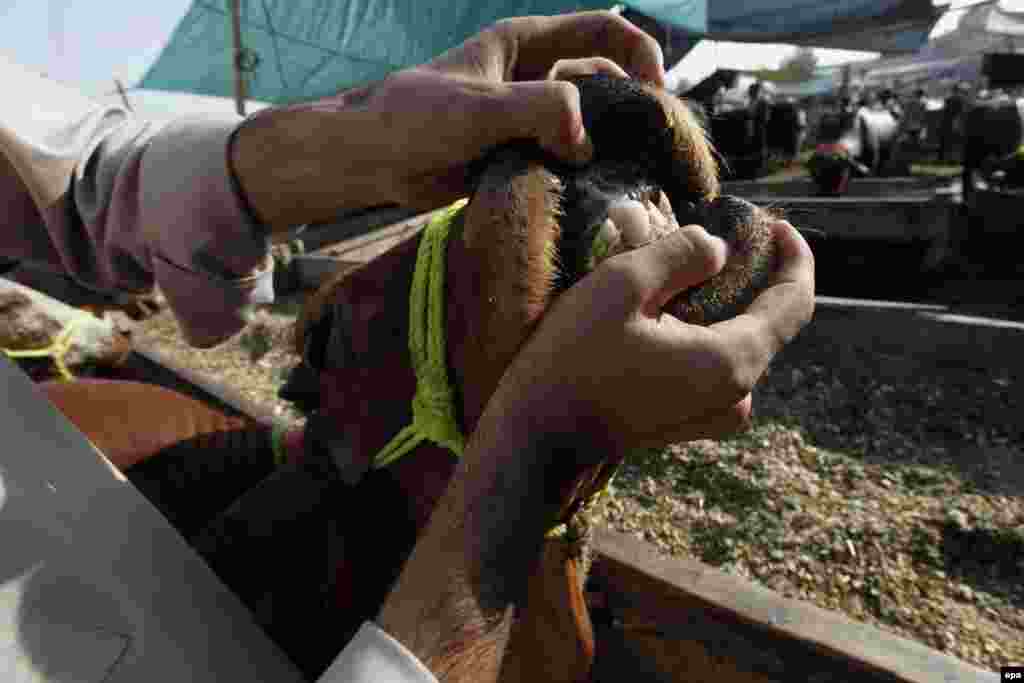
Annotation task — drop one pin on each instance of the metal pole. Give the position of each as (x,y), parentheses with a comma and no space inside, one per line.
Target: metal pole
(236,56)
(844,88)
(123,94)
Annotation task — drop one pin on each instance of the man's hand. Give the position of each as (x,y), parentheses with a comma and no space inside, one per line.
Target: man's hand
(607,359)
(605,370)
(409,138)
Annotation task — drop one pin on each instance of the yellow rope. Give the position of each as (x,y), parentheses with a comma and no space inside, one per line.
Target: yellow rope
(277,444)
(57,350)
(433,406)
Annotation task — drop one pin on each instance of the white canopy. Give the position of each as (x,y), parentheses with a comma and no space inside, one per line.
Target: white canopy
(924,71)
(1001,18)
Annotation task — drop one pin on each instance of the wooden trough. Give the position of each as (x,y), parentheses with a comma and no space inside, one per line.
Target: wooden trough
(921,213)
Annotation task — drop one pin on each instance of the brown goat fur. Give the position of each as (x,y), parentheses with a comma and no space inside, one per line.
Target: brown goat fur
(516,245)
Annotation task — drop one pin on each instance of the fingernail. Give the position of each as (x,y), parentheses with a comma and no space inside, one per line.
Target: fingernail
(632,220)
(720,244)
(658,75)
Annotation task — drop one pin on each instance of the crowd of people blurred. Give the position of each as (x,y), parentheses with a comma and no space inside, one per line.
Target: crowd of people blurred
(751,119)
(929,124)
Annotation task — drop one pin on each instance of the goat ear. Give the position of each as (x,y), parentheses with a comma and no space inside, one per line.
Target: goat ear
(510,237)
(692,170)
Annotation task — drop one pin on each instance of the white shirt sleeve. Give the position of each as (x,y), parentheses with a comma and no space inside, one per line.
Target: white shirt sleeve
(375,657)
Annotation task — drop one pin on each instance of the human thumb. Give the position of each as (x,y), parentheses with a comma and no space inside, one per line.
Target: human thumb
(548,112)
(683,258)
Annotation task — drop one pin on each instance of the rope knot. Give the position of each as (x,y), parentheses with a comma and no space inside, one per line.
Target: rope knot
(433,408)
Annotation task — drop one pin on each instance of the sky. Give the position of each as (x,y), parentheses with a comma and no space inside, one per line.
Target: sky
(88,43)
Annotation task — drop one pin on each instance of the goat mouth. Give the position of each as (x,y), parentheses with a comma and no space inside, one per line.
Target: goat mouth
(647,148)
(587,234)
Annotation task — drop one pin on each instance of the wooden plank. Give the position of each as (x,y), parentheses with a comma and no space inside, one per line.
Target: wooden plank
(358,226)
(846,201)
(307,271)
(149,364)
(685,600)
(891,219)
(651,658)
(903,209)
(365,247)
(923,188)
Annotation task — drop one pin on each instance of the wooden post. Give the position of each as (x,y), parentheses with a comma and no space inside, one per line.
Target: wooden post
(236,56)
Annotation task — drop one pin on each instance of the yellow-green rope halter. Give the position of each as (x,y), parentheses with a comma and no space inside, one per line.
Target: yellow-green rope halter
(433,406)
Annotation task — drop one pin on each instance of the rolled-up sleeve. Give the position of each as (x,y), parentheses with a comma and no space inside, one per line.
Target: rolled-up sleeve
(373,656)
(211,261)
(123,204)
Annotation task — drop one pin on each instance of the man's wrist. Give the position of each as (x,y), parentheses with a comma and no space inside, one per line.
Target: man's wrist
(236,186)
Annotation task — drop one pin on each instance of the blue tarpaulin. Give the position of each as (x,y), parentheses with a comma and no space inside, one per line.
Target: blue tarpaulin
(312,48)
(303,49)
(888,26)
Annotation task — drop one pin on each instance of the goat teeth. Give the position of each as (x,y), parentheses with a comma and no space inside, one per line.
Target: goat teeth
(632,220)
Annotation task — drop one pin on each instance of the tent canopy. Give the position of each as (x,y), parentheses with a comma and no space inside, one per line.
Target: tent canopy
(303,49)
(888,26)
(994,19)
(924,72)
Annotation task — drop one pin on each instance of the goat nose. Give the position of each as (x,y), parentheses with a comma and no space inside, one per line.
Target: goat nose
(746,229)
(729,217)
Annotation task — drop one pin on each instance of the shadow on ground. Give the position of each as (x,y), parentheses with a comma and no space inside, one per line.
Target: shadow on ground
(907,386)
(989,559)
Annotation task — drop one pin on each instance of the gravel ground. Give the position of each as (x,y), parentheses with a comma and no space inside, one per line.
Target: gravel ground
(882,481)
(882,478)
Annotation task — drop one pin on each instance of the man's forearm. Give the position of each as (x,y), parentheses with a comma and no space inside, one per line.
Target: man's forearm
(486,536)
(309,162)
